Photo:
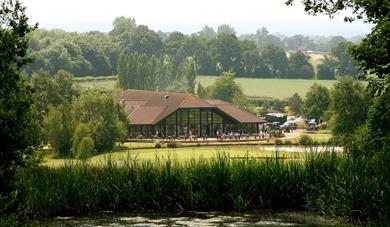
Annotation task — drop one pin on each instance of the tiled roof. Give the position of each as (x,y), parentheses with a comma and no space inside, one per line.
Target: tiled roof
(236,113)
(150,107)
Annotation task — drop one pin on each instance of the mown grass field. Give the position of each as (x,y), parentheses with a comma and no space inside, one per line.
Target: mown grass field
(273,88)
(146,151)
(181,154)
(107,82)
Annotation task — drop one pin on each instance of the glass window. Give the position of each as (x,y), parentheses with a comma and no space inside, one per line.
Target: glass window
(184,116)
(194,116)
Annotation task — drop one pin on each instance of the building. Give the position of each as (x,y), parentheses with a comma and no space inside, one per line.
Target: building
(178,115)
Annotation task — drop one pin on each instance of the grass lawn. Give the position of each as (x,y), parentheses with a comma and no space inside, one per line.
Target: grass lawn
(184,153)
(274,88)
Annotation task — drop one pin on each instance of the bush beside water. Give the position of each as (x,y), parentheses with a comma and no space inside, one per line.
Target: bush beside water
(326,182)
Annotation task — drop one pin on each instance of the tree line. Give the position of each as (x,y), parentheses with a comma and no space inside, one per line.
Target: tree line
(261,54)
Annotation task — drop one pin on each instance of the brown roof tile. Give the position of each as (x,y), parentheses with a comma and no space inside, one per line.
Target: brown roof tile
(150,107)
(236,113)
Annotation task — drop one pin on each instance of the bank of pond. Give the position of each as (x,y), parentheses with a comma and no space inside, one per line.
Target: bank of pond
(326,182)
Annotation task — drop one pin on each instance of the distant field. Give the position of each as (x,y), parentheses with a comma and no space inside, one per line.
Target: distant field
(274,88)
(108,82)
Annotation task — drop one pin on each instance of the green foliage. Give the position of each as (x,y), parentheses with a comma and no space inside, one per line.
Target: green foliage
(85,148)
(80,54)
(104,116)
(300,66)
(295,104)
(59,125)
(19,129)
(305,140)
(297,42)
(373,56)
(137,71)
(276,60)
(224,88)
(252,62)
(157,145)
(122,25)
(172,45)
(188,71)
(317,101)
(326,70)
(345,64)
(141,40)
(226,53)
(173,144)
(82,131)
(94,114)
(52,90)
(349,107)
(201,91)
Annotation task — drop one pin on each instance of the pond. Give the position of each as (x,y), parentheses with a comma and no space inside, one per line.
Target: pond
(199,219)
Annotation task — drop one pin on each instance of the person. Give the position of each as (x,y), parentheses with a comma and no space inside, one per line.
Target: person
(190,135)
(204,134)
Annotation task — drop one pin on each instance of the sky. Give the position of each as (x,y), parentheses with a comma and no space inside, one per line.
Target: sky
(246,16)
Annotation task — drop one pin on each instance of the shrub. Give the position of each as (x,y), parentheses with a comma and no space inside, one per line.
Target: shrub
(288,142)
(173,144)
(305,140)
(302,125)
(85,148)
(278,142)
(157,145)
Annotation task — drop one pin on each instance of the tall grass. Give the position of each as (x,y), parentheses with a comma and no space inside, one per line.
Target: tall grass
(326,182)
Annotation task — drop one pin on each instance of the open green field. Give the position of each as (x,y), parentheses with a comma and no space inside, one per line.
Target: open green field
(179,154)
(107,82)
(274,88)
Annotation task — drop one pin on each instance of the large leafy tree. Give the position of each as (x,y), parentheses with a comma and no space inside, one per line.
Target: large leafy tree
(326,70)
(225,88)
(316,102)
(142,40)
(345,64)
(207,33)
(106,117)
(137,71)
(349,106)
(59,125)
(227,52)
(276,60)
(295,104)
(19,129)
(188,71)
(122,25)
(300,66)
(372,53)
(173,44)
(251,60)
(198,48)
(52,89)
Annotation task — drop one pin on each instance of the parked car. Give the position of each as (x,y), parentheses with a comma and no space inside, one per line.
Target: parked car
(287,126)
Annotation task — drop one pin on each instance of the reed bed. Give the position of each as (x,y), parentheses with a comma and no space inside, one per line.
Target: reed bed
(325,182)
